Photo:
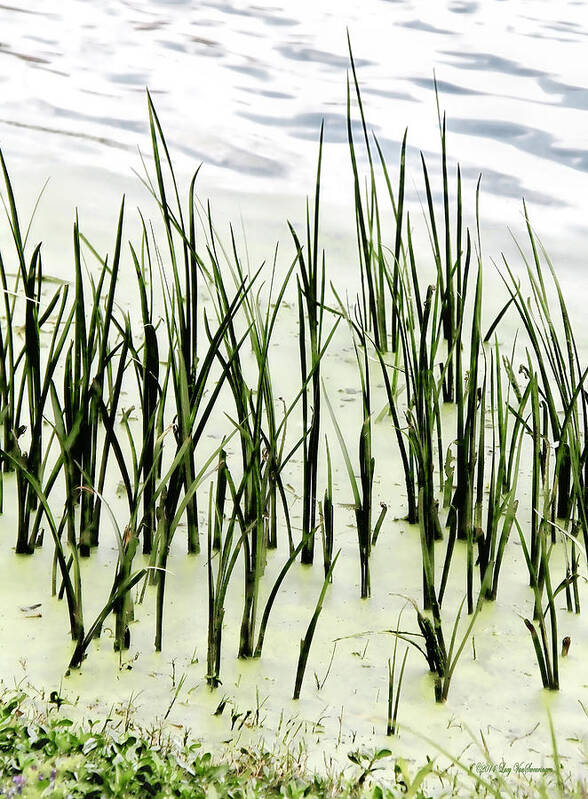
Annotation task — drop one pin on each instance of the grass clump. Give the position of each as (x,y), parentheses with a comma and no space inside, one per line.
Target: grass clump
(50,755)
(54,757)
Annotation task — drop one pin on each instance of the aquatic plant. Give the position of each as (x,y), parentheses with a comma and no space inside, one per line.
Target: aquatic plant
(181,300)
(502,504)
(394,686)
(442,660)
(87,368)
(25,372)
(362,490)
(187,437)
(251,409)
(562,377)
(306,642)
(546,643)
(227,554)
(152,394)
(374,270)
(327,515)
(310,285)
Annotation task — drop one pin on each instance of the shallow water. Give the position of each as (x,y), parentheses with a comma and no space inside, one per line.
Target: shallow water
(243,89)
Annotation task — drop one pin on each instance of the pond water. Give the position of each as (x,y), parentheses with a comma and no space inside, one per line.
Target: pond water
(242,89)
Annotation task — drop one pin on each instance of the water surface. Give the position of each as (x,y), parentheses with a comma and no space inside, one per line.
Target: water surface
(243,88)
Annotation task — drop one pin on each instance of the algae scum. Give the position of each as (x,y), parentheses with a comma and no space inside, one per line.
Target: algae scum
(382,494)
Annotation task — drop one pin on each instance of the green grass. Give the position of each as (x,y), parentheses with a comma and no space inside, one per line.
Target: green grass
(47,754)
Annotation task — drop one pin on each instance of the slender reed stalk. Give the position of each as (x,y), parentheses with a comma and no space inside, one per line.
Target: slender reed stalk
(311,307)
(193,425)
(150,390)
(327,515)
(362,496)
(374,271)
(184,265)
(227,554)
(545,643)
(306,642)
(394,687)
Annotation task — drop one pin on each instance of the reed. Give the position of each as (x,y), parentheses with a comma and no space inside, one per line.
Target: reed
(428,344)
(306,642)
(406,455)
(449,272)
(420,316)
(394,686)
(311,298)
(23,373)
(196,414)
(190,372)
(363,513)
(443,660)
(151,392)
(91,361)
(470,407)
(362,490)
(261,323)
(327,514)
(545,640)
(230,544)
(119,600)
(227,554)
(262,437)
(88,367)
(182,299)
(422,417)
(374,270)
(502,503)
(251,408)
(273,594)
(547,323)
(363,500)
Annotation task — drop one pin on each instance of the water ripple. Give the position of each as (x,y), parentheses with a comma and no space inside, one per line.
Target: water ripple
(307,125)
(462,7)
(301,53)
(529,140)
(419,25)
(444,86)
(571,96)
(488,62)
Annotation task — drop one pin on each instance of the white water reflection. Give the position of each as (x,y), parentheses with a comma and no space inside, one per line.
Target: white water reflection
(243,88)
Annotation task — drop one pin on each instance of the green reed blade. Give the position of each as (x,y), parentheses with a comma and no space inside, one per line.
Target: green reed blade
(272,597)
(306,642)
(73,597)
